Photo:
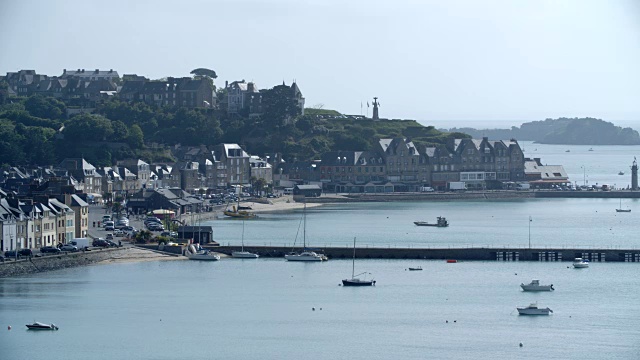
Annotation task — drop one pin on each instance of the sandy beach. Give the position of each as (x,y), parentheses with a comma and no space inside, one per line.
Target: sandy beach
(284,203)
(134,254)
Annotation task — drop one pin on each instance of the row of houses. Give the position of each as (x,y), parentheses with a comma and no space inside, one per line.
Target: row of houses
(41,220)
(84,88)
(397,164)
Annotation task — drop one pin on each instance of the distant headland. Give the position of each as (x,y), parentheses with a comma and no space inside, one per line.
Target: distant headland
(564,131)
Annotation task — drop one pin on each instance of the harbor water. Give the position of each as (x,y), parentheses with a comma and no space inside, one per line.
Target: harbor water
(273,309)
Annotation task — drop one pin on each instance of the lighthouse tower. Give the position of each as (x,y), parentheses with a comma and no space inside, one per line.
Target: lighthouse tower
(634,175)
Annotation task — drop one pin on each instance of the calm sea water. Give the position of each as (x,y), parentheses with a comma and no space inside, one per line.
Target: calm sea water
(262,309)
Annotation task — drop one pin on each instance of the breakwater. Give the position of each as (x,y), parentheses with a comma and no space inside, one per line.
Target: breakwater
(470,195)
(464,254)
(25,266)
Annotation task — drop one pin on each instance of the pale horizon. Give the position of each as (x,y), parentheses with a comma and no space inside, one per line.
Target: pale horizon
(435,61)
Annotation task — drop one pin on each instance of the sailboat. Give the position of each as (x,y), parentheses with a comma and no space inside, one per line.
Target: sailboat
(305,255)
(620,209)
(354,281)
(243,254)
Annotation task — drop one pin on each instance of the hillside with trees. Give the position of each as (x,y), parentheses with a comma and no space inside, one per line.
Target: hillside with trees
(36,131)
(565,131)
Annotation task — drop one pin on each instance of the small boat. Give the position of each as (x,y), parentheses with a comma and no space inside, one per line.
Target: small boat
(243,254)
(580,263)
(201,254)
(306,254)
(419,268)
(620,209)
(590,149)
(621,173)
(533,309)
(568,151)
(40,326)
(441,222)
(534,285)
(238,214)
(452,261)
(355,281)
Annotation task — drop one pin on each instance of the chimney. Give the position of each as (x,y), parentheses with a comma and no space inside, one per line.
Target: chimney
(97,71)
(82,70)
(250,87)
(78,70)
(226,83)
(485,138)
(64,71)
(110,71)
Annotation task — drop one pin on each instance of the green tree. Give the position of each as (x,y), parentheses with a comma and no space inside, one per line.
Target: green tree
(45,107)
(120,131)
(204,72)
(136,137)
(280,106)
(88,127)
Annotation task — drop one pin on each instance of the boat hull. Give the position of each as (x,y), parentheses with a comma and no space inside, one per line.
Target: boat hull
(580,266)
(623,210)
(536,287)
(358,282)
(244,255)
(208,257)
(38,326)
(529,311)
(302,258)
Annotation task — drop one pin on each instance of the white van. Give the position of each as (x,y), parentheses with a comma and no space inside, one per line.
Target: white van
(288,191)
(80,243)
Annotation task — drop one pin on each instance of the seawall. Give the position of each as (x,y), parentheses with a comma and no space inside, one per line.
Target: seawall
(471,195)
(478,254)
(10,268)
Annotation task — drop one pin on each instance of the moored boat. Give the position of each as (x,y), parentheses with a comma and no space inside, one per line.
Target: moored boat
(355,280)
(243,254)
(534,285)
(419,268)
(441,222)
(200,254)
(579,263)
(306,254)
(533,309)
(40,326)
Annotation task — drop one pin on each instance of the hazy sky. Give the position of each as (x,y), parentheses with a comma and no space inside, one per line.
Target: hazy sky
(425,60)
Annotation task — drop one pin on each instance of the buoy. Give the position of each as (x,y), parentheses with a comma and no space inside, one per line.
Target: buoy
(520,344)
(455,320)
(320,308)
(447,321)
(314,309)
(516,273)
(9,327)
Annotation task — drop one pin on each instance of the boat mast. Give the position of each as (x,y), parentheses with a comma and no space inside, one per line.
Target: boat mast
(304,227)
(353,264)
(242,235)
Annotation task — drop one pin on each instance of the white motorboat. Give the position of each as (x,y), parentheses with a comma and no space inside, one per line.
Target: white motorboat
(243,254)
(200,254)
(580,263)
(533,309)
(40,326)
(534,285)
(306,254)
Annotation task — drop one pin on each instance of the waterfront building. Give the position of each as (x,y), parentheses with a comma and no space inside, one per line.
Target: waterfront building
(236,164)
(544,176)
(261,169)
(81,210)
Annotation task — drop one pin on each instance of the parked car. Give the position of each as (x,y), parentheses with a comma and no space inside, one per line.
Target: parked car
(169,234)
(155,227)
(100,243)
(11,254)
(69,247)
(109,228)
(49,249)
(112,243)
(119,233)
(25,252)
(109,236)
(271,196)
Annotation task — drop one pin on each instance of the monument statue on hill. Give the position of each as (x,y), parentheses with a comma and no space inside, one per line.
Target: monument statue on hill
(634,175)
(376,104)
